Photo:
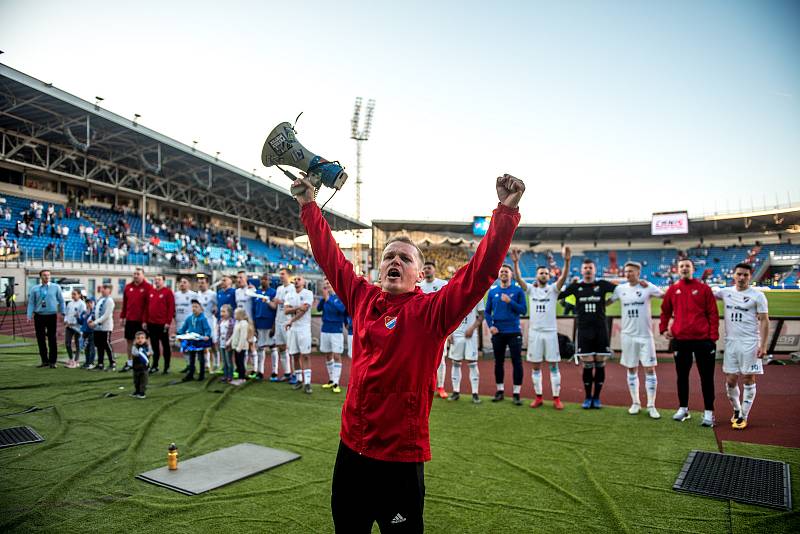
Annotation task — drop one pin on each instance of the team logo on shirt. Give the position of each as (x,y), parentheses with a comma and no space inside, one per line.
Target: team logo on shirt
(596,289)
(678,292)
(694,292)
(638,293)
(390,322)
(746,299)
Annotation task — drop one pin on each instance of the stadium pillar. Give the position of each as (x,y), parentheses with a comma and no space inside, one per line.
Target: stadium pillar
(144,211)
(239,228)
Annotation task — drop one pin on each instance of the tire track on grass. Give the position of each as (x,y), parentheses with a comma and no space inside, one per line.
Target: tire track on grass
(620,524)
(210,412)
(541,478)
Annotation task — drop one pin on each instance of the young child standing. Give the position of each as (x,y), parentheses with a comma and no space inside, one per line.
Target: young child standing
(72,332)
(197,324)
(87,333)
(140,360)
(239,343)
(225,327)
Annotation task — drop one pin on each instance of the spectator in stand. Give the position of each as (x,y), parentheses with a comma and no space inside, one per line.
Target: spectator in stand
(134,309)
(45,302)
(160,312)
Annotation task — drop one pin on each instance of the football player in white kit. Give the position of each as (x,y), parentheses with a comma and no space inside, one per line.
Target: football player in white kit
(298,310)
(638,345)
(429,285)
(746,329)
(208,300)
(542,327)
(280,330)
(183,307)
(464,346)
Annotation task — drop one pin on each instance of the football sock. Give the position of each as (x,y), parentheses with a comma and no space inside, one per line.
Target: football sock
(733,396)
(260,359)
(517,389)
(455,376)
(275,357)
(500,387)
(537,381)
(588,367)
(287,362)
(329,367)
(474,376)
(599,378)
(555,380)
(307,376)
(633,385)
(651,384)
(298,375)
(337,372)
(440,374)
(748,398)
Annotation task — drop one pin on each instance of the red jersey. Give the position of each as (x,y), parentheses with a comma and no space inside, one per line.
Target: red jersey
(693,306)
(398,340)
(134,301)
(160,306)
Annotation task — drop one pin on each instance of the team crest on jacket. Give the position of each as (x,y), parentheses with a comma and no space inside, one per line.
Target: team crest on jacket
(390,322)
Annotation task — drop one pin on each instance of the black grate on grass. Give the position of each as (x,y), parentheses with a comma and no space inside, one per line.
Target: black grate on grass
(739,478)
(18,435)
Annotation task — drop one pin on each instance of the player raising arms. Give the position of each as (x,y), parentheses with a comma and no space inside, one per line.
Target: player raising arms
(542,329)
(746,329)
(399,337)
(638,345)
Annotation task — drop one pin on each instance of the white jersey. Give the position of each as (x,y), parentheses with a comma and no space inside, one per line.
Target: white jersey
(741,311)
(432,287)
(542,307)
(469,319)
(280,293)
(295,300)
(183,306)
(636,311)
(244,301)
(208,299)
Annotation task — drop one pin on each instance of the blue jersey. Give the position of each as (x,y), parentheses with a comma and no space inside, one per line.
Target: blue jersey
(263,313)
(349,323)
(505,315)
(333,314)
(226,296)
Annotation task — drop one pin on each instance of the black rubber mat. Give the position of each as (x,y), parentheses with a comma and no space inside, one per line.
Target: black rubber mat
(18,435)
(739,478)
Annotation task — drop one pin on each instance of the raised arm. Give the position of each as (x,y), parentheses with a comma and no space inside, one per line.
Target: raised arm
(470,283)
(567,253)
(350,287)
(515,256)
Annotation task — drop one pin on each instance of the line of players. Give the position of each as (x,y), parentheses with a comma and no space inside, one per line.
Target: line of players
(746,327)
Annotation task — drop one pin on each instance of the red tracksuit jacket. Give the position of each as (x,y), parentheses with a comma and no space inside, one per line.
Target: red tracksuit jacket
(134,301)
(694,308)
(160,306)
(398,340)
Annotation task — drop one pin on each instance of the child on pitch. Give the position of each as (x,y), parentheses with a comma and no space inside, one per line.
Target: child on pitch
(140,361)
(87,334)
(72,332)
(225,327)
(240,342)
(195,346)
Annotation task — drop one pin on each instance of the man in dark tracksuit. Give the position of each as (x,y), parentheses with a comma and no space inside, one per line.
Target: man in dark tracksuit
(694,331)
(504,306)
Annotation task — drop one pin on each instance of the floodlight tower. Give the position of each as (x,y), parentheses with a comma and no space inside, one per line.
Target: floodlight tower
(360,134)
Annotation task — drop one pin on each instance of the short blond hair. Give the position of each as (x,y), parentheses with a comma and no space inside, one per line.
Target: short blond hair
(407,241)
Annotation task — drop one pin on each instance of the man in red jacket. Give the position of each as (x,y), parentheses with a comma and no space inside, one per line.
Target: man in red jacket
(160,312)
(399,335)
(694,331)
(134,306)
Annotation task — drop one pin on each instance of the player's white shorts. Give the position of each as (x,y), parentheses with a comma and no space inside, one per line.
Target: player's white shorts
(543,346)
(299,341)
(350,345)
(636,350)
(741,357)
(464,348)
(280,336)
(212,322)
(330,342)
(263,338)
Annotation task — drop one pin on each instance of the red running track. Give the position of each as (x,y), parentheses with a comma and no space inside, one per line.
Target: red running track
(774,419)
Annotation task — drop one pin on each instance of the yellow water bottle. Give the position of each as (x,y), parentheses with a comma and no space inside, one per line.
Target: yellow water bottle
(172,457)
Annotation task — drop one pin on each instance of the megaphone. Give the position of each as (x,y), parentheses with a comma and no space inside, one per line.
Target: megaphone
(283,148)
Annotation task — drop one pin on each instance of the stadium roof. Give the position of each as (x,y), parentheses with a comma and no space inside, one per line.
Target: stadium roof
(748,223)
(49,130)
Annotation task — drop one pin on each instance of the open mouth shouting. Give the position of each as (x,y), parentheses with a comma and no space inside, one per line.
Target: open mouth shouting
(393,273)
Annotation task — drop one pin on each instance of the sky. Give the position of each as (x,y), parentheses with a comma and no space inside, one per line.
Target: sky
(609,111)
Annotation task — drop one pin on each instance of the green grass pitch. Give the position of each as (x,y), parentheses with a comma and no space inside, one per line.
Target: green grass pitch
(495,468)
